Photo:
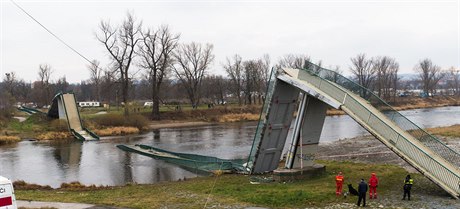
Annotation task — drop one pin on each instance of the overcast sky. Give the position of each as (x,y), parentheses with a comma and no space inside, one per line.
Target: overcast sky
(331,31)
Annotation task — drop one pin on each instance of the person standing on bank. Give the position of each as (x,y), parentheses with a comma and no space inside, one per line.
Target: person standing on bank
(407,187)
(373,183)
(338,184)
(362,191)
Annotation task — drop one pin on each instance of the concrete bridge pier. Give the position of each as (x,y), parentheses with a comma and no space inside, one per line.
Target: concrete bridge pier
(307,130)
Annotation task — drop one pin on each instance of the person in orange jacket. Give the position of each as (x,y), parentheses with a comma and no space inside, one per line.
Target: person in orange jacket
(338,184)
(373,183)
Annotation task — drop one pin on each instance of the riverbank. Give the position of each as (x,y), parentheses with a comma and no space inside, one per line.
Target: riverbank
(236,191)
(115,124)
(355,157)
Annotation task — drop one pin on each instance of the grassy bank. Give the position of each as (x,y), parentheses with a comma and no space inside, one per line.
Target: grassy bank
(234,190)
(450,131)
(40,127)
(9,139)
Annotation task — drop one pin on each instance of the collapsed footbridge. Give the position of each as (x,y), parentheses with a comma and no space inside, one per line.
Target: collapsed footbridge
(64,106)
(308,93)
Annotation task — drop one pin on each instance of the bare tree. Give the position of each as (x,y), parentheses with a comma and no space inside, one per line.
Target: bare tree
(96,77)
(363,71)
(10,81)
(61,85)
(121,42)
(297,61)
(393,78)
(156,51)
(265,67)
(214,88)
(234,69)
(429,75)
(386,80)
(6,105)
(44,75)
(108,82)
(454,80)
(251,72)
(193,61)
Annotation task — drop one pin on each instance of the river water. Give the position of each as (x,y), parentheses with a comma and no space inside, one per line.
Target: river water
(101,163)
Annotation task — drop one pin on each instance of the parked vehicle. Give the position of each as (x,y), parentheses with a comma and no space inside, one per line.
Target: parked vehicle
(148,104)
(7,198)
(89,104)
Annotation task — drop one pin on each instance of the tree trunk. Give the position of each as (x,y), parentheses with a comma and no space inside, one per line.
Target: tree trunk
(156,103)
(125,91)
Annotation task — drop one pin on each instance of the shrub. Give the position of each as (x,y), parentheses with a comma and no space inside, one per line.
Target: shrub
(75,185)
(111,120)
(22,185)
(112,131)
(54,135)
(9,139)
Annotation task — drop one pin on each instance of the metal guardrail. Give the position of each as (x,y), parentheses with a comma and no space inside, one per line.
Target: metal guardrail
(77,135)
(320,78)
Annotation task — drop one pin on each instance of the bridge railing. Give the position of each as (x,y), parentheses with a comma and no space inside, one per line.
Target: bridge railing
(421,135)
(262,120)
(413,152)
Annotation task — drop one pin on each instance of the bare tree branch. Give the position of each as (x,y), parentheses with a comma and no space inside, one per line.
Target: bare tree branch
(121,43)
(192,62)
(156,52)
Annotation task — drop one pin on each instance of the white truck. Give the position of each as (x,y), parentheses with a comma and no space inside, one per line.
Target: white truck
(7,198)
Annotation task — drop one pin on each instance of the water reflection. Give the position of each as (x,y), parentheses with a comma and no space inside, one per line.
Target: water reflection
(101,163)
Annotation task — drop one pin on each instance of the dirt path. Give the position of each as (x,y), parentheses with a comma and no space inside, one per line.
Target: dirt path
(20,118)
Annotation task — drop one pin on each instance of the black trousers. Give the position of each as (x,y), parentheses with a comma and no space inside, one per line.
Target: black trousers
(362,196)
(406,191)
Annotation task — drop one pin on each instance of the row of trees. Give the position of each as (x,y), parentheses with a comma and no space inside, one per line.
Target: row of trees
(152,64)
(380,74)
(158,52)
(245,82)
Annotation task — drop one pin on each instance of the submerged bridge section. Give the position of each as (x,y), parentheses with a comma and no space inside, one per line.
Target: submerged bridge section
(305,96)
(64,106)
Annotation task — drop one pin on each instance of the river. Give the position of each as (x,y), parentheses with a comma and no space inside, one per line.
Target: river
(101,163)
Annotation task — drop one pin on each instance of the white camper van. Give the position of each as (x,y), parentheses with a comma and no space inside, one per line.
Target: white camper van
(7,198)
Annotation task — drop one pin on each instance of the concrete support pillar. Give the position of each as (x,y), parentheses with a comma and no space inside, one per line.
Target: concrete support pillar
(311,115)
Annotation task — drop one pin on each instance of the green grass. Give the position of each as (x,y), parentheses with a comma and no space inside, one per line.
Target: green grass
(235,190)
(35,123)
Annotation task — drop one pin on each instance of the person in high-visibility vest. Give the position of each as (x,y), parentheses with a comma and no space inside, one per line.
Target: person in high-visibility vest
(373,183)
(407,187)
(339,183)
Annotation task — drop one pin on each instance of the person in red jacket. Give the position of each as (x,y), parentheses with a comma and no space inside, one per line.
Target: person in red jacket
(338,184)
(373,183)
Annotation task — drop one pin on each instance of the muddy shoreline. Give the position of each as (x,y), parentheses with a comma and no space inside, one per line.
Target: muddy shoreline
(367,149)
